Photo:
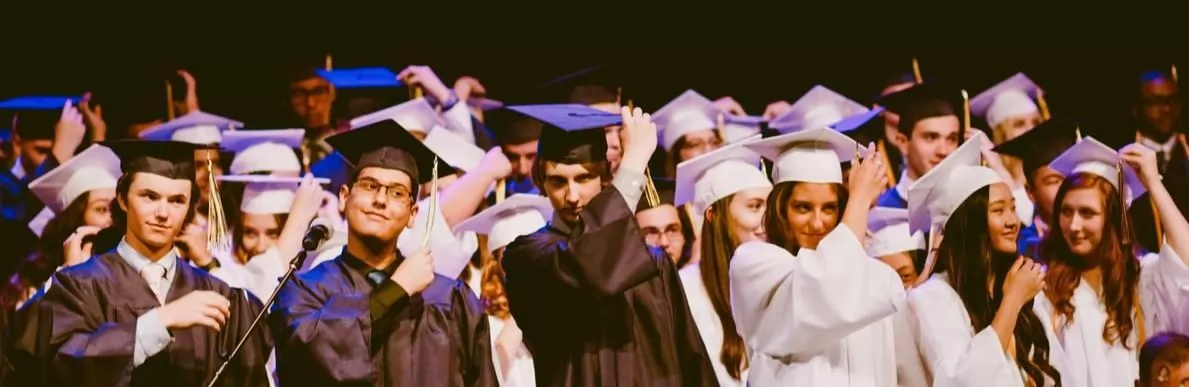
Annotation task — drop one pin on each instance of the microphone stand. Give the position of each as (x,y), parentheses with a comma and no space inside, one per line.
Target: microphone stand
(294,263)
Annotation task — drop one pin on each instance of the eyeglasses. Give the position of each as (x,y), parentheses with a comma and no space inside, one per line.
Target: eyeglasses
(317,93)
(395,192)
(673,233)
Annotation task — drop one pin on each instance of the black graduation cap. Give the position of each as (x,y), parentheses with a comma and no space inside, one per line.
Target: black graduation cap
(34,117)
(1038,147)
(388,145)
(512,128)
(572,133)
(924,101)
(666,188)
(603,83)
(170,159)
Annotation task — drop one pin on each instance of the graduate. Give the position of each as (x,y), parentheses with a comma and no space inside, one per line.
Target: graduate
(598,307)
(375,315)
(199,128)
(1101,299)
(518,136)
(811,306)
(973,311)
(889,241)
(1035,149)
(268,152)
(688,126)
(1011,109)
(139,315)
(518,215)
(929,127)
(667,226)
(727,187)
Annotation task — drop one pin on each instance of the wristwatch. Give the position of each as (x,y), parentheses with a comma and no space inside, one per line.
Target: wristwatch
(214,264)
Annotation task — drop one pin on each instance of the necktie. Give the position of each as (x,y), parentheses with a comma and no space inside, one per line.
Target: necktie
(154,275)
(1161,160)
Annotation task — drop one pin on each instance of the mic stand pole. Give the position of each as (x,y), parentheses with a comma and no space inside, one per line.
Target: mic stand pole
(294,263)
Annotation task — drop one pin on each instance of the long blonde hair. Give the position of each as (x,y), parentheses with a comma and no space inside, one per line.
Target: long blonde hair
(718,246)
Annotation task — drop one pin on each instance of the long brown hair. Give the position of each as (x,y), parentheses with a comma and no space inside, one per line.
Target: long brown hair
(776,214)
(967,257)
(495,301)
(1120,268)
(718,246)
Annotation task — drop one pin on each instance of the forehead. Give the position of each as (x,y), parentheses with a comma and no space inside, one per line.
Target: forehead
(753,193)
(260,220)
(814,192)
(944,125)
(1000,191)
(1158,86)
(555,169)
(524,148)
(658,216)
(309,83)
(1083,197)
(159,184)
(386,176)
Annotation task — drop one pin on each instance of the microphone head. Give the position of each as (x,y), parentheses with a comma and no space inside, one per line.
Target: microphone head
(323,223)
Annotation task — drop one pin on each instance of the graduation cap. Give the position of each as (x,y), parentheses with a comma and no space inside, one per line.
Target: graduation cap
(810,156)
(170,159)
(595,85)
(94,168)
(818,108)
(35,117)
(454,149)
(889,233)
(572,133)
(512,128)
(689,112)
(196,128)
(935,196)
(264,150)
(361,78)
(265,194)
(1013,97)
(414,115)
(386,144)
(924,101)
(712,176)
(1092,156)
(1038,147)
(739,128)
(519,214)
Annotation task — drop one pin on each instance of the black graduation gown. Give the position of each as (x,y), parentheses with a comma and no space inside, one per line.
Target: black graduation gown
(29,337)
(94,307)
(599,308)
(326,335)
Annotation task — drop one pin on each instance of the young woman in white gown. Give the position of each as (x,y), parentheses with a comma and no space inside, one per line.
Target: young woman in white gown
(728,189)
(812,307)
(974,312)
(1101,300)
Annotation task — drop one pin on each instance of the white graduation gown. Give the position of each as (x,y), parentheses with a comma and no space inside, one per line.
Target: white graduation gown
(452,251)
(820,318)
(521,373)
(1090,361)
(709,326)
(260,275)
(954,353)
(910,367)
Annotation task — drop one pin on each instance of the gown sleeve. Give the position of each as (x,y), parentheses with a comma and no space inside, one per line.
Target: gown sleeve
(28,352)
(452,251)
(786,305)
(87,352)
(320,334)
(479,369)
(954,354)
(1164,292)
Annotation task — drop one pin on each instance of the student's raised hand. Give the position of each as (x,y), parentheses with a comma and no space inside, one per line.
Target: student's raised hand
(467,87)
(415,273)
(638,137)
(424,77)
(776,109)
(76,249)
(868,177)
(1143,161)
(729,106)
(93,117)
(199,307)
(496,164)
(1025,280)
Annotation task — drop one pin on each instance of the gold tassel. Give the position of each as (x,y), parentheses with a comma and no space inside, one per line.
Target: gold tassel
(501,190)
(916,71)
(1077,131)
(433,205)
(217,236)
(1042,104)
(1125,224)
(416,92)
(881,148)
(1173,73)
(170,114)
(689,212)
(329,62)
(619,96)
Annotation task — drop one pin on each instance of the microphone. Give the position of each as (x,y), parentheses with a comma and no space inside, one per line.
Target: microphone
(316,235)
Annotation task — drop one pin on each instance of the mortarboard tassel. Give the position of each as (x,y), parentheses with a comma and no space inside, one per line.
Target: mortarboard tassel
(650,195)
(619,96)
(965,116)
(1042,104)
(1077,131)
(1125,224)
(416,92)
(217,236)
(501,190)
(433,205)
(1173,72)
(689,213)
(169,113)
(329,62)
(916,71)
(880,147)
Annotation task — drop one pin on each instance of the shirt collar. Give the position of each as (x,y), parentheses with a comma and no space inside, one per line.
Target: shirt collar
(17,169)
(359,265)
(903,185)
(1165,147)
(138,261)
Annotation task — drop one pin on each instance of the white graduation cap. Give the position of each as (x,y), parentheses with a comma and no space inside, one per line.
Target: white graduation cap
(889,232)
(264,150)
(818,108)
(266,194)
(519,214)
(485,104)
(739,128)
(689,112)
(810,156)
(414,115)
(454,149)
(935,196)
(714,175)
(94,168)
(1013,97)
(196,128)
(1092,156)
